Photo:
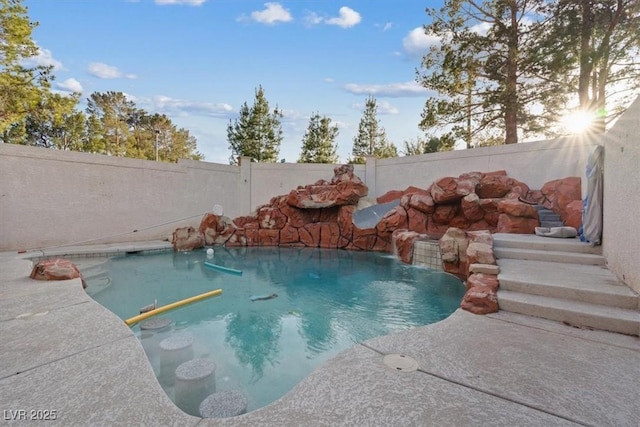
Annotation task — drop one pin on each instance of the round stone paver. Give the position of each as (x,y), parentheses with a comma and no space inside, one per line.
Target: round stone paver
(195,380)
(224,404)
(155,323)
(174,351)
(176,343)
(195,369)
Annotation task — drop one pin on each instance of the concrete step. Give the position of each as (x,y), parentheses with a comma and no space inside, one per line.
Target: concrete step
(584,283)
(574,313)
(552,217)
(549,256)
(531,241)
(548,215)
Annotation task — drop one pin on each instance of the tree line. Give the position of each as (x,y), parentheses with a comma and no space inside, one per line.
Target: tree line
(501,70)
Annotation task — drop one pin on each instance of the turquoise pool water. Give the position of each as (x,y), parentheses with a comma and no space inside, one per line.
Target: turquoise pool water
(327,301)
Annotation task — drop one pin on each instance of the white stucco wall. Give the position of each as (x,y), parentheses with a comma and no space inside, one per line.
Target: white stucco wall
(533,163)
(621,210)
(50,197)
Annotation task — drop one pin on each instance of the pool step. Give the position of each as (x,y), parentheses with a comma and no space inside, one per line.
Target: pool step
(584,283)
(550,256)
(563,280)
(573,313)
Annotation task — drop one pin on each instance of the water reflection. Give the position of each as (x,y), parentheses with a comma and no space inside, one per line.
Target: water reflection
(327,300)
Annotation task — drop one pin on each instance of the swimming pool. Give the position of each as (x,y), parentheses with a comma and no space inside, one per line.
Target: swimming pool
(327,300)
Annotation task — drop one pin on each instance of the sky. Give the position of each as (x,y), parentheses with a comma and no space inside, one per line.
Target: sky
(198,61)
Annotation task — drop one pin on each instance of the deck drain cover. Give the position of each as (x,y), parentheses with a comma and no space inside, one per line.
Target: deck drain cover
(400,362)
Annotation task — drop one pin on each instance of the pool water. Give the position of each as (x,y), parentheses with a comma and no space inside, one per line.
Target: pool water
(327,300)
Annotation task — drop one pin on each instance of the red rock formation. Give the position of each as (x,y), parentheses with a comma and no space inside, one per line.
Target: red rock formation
(560,193)
(493,186)
(480,300)
(402,242)
(389,196)
(344,189)
(517,225)
(188,238)
(573,214)
(56,269)
(471,208)
(517,209)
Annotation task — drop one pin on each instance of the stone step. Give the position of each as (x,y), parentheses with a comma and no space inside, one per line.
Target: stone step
(549,217)
(548,255)
(531,241)
(574,313)
(584,283)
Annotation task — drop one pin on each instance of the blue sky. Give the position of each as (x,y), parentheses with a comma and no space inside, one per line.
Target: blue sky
(197,61)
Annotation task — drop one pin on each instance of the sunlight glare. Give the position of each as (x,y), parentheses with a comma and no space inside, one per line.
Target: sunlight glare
(577,122)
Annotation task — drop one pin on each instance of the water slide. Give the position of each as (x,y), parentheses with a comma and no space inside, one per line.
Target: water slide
(370,216)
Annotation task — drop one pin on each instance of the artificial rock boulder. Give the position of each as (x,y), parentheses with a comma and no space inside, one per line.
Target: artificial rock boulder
(320,214)
(56,269)
(469,255)
(316,215)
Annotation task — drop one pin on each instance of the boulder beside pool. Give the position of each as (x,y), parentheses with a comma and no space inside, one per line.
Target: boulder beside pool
(56,269)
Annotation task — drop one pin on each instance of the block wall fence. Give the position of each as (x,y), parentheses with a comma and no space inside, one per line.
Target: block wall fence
(50,198)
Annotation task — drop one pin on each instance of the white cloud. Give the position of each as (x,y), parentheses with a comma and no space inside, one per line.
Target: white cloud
(385,107)
(347,18)
(185,107)
(329,80)
(386,26)
(417,43)
(272,14)
(70,85)
(392,90)
(312,18)
(43,58)
(179,2)
(104,71)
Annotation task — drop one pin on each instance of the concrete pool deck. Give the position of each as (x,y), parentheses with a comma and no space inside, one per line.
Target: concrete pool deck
(63,352)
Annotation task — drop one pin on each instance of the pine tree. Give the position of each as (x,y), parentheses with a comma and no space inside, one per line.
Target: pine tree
(371,138)
(485,70)
(257,132)
(21,88)
(318,142)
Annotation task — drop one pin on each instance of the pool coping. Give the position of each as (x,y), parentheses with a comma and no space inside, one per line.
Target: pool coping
(64,352)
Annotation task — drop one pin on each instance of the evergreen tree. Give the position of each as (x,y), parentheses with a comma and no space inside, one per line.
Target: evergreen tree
(21,88)
(594,46)
(117,127)
(257,132)
(54,122)
(318,142)
(114,111)
(371,138)
(433,144)
(486,70)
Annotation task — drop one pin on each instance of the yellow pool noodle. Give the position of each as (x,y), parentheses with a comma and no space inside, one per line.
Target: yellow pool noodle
(177,304)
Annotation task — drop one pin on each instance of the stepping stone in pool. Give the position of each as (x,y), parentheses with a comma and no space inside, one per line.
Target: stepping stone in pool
(174,351)
(152,332)
(155,324)
(224,404)
(195,380)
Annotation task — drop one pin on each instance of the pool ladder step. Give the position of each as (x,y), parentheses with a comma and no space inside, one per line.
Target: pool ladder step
(563,280)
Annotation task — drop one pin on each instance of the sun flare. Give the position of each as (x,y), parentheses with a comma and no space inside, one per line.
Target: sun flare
(577,122)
